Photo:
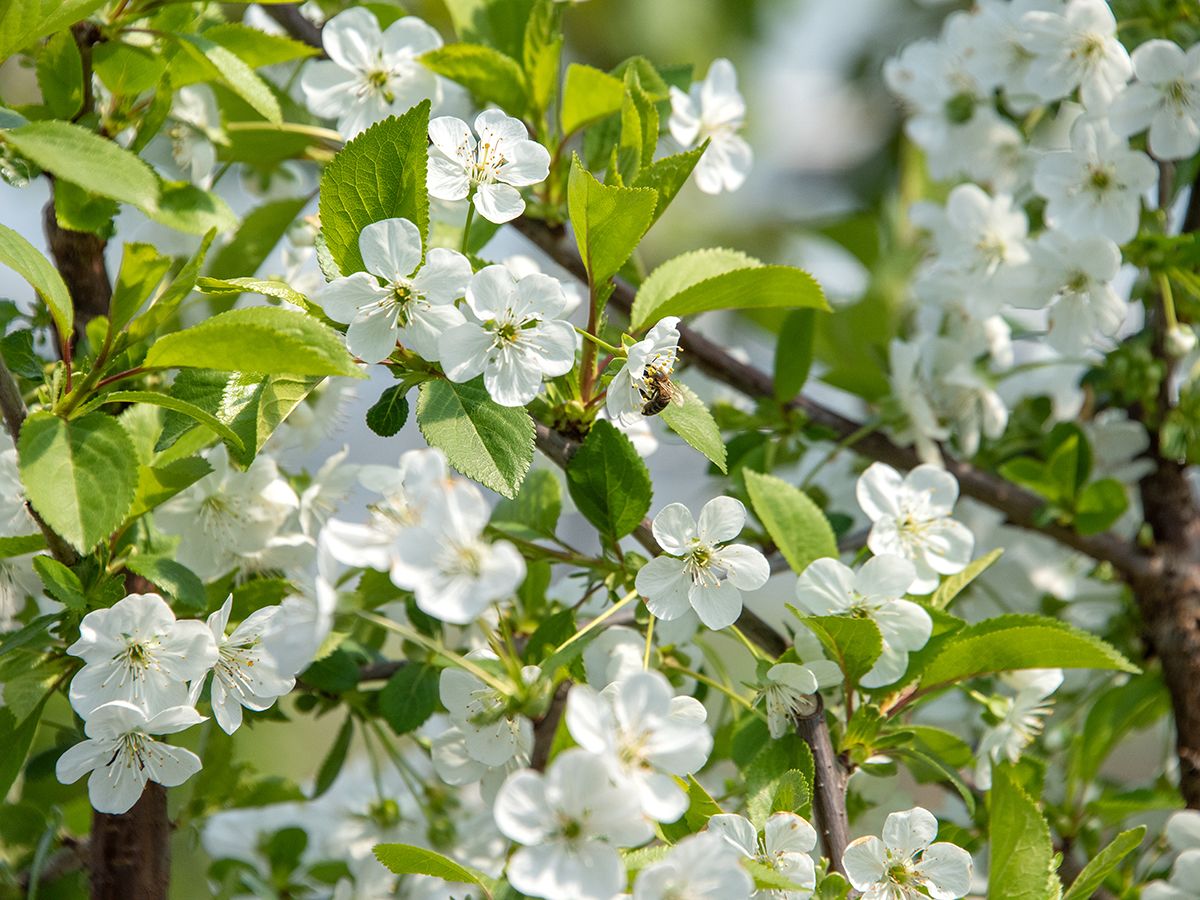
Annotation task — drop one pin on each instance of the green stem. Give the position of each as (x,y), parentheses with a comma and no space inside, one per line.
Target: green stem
(588,336)
(716,686)
(649,644)
(754,649)
(598,621)
(433,646)
(466,234)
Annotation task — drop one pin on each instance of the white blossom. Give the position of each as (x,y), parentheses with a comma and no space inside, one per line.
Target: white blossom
(699,569)
(1076,47)
(489,170)
(876,591)
(122,755)
(514,336)
(789,690)
(714,111)
(786,845)
(906,864)
(493,735)
(1020,719)
(1184,882)
(570,822)
(398,298)
(702,866)
(195,125)
(1165,99)
(136,651)
(910,517)
(648,360)
(370,74)
(646,734)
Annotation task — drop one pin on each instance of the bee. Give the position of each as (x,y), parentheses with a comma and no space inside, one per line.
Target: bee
(658,391)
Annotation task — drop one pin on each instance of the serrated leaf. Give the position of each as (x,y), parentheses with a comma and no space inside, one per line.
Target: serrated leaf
(1007,643)
(378,175)
(854,644)
(276,289)
(260,231)
(608,221)
(1104,863)
(21,545)
(701,807)
(388,414)
(16,348)
(158,484)
(266,340)
(1020,854)
(127,69)
(692,421)
(490,76)
(589,95)
(75,154)
(682,272)
(534,512)
(24,21)
(141,271)
(174,578)
(60,75)
(667,176)
(410,697)
(497,23)
(229,68)
(60,582)
(609,482)
(490,443)
(331,765)
(405,859)
(80,475)
(796,524)
(794,353)
(24,259)
(953,585)
(165,305)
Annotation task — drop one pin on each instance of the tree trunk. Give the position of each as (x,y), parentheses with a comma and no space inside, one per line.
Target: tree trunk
(130,853)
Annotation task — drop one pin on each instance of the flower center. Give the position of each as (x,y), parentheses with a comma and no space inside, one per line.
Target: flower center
(960,108)
(378,81)
(487,164)
(1100,178)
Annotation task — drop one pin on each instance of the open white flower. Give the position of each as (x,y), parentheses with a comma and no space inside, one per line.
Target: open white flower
(292,637)
(1165,99)
(397,298)
(1075,47)
(1096,187)
(646,734)
(906,864)
(786,846)
(876,591)
(1184,883)
(570,822)
(136,651)
(910,517)
(122,755)
(1076,276)
(370,74)
(195,121)
(514,338)
(790,689)
(489,170)
(15,519)
(244,675)
(330,485)
(714,111)
(1020,719)
(651,358)
(701,571)
(702,866)
(492,735)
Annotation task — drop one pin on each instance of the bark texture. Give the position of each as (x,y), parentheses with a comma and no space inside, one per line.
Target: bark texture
(130,853)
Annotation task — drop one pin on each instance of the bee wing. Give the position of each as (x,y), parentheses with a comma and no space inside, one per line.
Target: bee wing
(677,396)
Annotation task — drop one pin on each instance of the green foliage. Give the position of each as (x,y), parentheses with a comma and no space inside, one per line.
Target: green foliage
(953,585)
(256,237)
(794,353)
(60,75)
(1105,862)
(410,697)
(141,271)
(701,808)
(608,221)
(177,580)
(491,443)
(378,175)
(126,68)
(16,737)
(533,513)
(854,644)
(405,859)
(266,340)
(695,424)
(226,66)
(331,765)
(609,482)
(794,522)
(589,95)
(1021,858)
(60,582)
(667,176)
(388,414)
(80,475)
(24,259)
(490,76)
(23,22)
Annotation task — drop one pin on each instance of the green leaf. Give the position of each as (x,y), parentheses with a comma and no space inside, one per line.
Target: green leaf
(1013,642)
(254,47)
(854,644)
(75,154)
(497,23)
(266,340)
(1137,704)
(158,484)
(76,209)
(589,95)
(608,221)
(256,237)
(405,859)
(60,582)
(794,353)
(795,523)
(953,585)
(21,545)
(175,579)
(80,475)
(768,879)
(228,67)
(165,305)
(166,401)
(24,259)
(378,175)
(534,513)
(701,808)
(126,69)
(667,176)
(1021,855)
(410,697)
(192,210)
(609,482)
(266,143)
(141,271)
(491,443)
(15,738)
(24,21)
(332,764)
(16,348)
(276,289)
(541,54)
(60,75)
(490,76)
(1099,505)
(755,287)
(1104,863)
(388,414)
(695,424)
(679,273)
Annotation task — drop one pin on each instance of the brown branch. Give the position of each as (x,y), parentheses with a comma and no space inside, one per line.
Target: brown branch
(546,727)
(829,786)
(290,18)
